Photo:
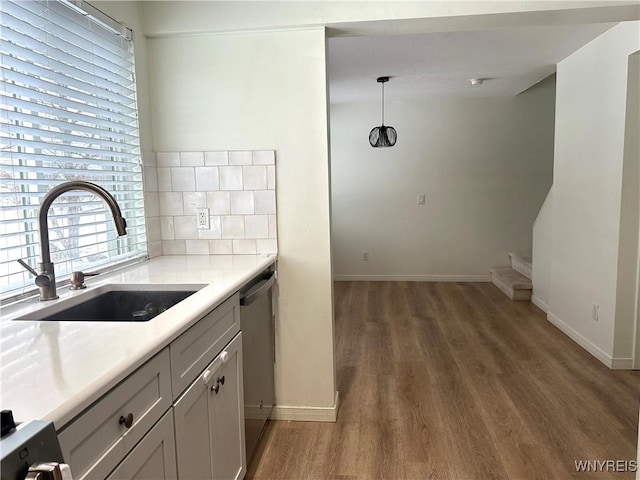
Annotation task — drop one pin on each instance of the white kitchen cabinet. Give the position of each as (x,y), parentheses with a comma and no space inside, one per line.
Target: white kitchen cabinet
(192,351)
(154,458)
(147,428)
(209,420)
(97,441)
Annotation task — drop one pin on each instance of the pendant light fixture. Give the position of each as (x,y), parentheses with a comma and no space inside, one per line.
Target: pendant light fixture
(382,136)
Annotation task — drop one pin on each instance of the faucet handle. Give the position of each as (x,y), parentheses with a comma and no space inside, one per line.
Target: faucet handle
(77,279)
(43,280)
(28,267)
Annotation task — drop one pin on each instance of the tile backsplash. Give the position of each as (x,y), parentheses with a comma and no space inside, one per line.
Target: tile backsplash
(238,188)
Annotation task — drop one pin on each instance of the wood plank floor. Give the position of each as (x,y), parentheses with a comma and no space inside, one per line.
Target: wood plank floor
(455,381)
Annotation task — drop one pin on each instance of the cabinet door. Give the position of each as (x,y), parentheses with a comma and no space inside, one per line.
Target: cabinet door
(193,429)
(209,419)
(227,410)
(154,458)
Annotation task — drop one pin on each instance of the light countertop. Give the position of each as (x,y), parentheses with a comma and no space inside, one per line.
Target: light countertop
(54,370)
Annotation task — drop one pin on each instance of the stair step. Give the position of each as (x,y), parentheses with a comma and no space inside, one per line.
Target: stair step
(515,285)
(521,262)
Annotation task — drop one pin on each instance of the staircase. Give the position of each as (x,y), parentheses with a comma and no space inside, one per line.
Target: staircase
(514,281)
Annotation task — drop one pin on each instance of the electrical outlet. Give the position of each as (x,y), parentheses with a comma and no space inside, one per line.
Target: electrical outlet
(595,310)
(422,198)
(203,219)
(365,256)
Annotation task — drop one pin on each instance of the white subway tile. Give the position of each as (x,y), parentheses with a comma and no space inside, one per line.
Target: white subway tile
(168,159)
(215,231)
(192,201)
(149,159)
(216,158)
(219,203)
(265,202)
(183,179)
(266,246)
(273,226)
(153,229)
(191,159)
(151,204)
(164,179)
(233,226)
(174,247)
(197,247)
(230,178)
(150,177)
(254,178)
(154,249)
(207,179)
(170,203)
(271,177)
(240,158)
(256,226)
(185,227)
(264,157)
(166,228)
(221,247)
(244,247)
(242,203)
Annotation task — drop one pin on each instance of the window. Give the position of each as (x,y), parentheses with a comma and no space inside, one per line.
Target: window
(67,112)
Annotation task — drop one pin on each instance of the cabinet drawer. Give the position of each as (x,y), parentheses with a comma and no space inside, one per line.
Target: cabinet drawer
(99,439)
(192,351)
(154,458)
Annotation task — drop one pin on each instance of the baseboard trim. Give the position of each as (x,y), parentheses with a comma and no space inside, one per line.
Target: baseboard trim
(539,303)
(606,359)
(412,278)
(622,363)
(307,414)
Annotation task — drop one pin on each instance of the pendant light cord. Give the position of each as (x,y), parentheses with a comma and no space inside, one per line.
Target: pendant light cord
(383,103)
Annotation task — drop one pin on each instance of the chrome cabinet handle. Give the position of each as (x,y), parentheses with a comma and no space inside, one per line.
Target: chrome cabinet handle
(126,421)
(219,382)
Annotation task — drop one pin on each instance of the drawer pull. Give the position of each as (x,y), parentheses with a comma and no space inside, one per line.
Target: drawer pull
(220,380)
(126,421)
(206,376)
(215,388)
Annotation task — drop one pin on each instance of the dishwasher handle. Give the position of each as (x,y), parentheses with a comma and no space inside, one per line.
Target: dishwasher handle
(257,290)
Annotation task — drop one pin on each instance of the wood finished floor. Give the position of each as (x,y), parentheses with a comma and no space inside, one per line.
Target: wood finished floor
(456,381)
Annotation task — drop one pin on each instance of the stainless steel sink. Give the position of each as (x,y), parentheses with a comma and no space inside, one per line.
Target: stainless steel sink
(116,303)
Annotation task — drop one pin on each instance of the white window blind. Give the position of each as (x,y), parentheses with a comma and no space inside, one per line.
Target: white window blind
(67,112)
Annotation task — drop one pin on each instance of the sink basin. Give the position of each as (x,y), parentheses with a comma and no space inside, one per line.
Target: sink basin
(116,303)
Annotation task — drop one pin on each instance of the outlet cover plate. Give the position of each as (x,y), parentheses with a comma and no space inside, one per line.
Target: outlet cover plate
(202,217)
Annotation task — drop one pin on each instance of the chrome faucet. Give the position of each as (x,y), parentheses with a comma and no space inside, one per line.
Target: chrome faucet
(45,277)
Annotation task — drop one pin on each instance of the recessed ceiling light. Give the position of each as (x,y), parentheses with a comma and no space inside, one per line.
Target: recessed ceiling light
(477,81)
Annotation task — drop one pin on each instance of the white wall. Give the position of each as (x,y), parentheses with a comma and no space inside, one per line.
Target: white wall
(589,141)
(541,254)
(349,17)
(628,295)
(484,165)
(627,286)
(265,91)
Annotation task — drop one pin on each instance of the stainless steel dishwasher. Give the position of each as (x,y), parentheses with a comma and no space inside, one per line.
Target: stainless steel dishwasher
(258,355)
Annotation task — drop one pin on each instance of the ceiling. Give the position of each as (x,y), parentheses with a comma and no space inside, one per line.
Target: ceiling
(442,63)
